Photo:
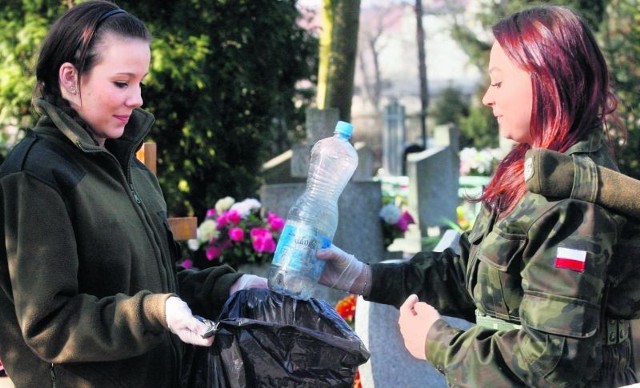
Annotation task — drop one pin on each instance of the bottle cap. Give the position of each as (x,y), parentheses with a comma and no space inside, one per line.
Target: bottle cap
(343,128)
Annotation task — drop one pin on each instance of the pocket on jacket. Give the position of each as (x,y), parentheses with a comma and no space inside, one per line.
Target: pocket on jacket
(498,283)
(560,315)
(500,249)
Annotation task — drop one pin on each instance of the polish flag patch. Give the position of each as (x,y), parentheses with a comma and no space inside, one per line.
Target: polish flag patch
(573,259)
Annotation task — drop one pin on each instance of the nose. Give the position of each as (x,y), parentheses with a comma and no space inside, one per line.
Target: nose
(488,99)
(134,100)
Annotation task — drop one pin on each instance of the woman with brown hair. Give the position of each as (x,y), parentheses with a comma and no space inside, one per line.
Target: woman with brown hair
(90,294)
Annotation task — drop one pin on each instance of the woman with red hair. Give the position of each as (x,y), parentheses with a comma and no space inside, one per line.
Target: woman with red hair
(537,275)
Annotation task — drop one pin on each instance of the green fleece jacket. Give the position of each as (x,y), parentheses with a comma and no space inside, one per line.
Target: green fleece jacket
(88,261)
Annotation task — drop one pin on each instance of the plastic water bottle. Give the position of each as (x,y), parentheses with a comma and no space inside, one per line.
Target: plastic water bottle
(313,219)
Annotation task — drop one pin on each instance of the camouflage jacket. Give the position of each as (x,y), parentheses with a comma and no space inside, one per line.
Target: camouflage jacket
(543,267)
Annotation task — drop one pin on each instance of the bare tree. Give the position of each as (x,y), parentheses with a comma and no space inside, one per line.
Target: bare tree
(422,73)
(370,47)
(338,46)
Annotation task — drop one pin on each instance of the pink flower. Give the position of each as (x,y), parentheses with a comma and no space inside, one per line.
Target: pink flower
(236,234)
(275,222)
(221,221)
(404,221)
(234,217)
(262,240)
(259,232)
(187,263)
(213,252)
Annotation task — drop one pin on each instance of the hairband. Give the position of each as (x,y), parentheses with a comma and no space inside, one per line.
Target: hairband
(86,41)
(109,14)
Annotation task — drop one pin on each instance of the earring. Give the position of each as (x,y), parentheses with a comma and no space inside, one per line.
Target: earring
(73,90)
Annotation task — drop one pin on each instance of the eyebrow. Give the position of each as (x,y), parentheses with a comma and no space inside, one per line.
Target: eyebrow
(130,74)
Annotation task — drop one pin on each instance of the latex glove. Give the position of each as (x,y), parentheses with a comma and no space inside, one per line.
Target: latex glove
(182,323)
(415,321)
(247,281)
(343,271)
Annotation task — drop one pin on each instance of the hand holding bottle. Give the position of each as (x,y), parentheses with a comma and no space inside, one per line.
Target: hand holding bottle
(344,271)
(313,219)
(182,323)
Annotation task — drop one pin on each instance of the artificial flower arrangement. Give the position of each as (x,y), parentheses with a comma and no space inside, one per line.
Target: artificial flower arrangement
(236,233)
(395,222)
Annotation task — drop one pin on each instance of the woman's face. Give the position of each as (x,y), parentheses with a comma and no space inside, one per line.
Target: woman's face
(111,90)
(510,96)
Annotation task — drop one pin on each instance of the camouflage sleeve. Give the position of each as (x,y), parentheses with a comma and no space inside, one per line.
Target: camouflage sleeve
(563,268)
(438,278)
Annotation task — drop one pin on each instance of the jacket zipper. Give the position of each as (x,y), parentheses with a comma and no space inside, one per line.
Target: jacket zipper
(165,267)
(135,195)
(52,372)
(174,347)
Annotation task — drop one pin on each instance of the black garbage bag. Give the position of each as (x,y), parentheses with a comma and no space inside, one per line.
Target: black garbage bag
(266,339)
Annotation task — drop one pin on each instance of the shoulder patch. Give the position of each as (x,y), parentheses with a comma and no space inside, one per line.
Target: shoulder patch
(528,168)
(16,158)
(45,160)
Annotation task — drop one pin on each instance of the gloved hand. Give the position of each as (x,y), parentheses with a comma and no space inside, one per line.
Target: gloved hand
(415,321)
(344,272)
(247,281)
(182,323)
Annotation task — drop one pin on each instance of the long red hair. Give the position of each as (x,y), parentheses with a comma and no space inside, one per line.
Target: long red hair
(570,85)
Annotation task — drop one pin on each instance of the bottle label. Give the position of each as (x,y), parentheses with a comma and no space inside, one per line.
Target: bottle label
(297,248)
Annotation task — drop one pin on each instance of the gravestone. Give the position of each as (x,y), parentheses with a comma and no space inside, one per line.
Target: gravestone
(434,176)
(390,363)
(393,139)
(292,166)
(319,124)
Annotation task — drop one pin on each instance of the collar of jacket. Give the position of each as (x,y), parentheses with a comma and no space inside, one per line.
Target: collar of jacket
(135,131)
(592,142)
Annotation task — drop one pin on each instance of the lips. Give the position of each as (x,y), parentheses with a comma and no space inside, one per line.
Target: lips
(124,119)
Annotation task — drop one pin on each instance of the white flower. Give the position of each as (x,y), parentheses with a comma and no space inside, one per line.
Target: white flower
(245,207)
(207,230)
(390,213)
(480,162)
(193,244)
(224,204)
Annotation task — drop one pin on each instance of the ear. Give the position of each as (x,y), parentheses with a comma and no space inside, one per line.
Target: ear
(68,81)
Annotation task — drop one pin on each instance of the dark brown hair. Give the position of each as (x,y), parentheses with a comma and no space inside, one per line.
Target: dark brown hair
(74,37)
